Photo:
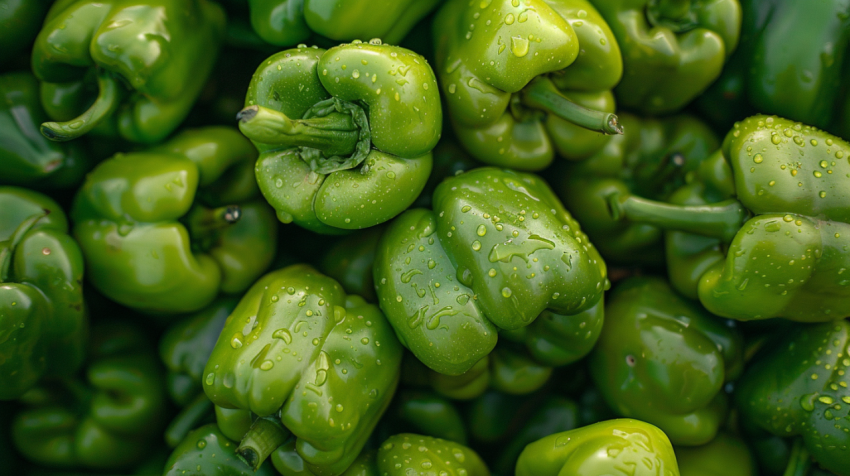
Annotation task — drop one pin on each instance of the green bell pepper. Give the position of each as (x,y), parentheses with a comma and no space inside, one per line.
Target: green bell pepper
(498,250)
(207,452)
(407,454)
(778,71)
(672,49)
(653,160)
(350,261)
(424,413)
(725,455)
(608,447)
(26,157)
(149,58)
(289,22)
(797,387)
(164,231)
(523,80)
(449,160)
(302,371)
(345,134)
(43,324)
(20,21)
(108,421)
(664,360)
(789,259)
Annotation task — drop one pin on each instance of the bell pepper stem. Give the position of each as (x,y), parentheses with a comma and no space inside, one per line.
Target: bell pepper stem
(264,436)
(800,461)
(203,221)
(542,94)
(108,99)
(188,419)
(8,248)
(334,134)
(720,220)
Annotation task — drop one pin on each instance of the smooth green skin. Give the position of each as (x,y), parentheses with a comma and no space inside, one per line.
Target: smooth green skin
(424,413)
(110,420)
(43,323)
(797,386)
(664,360)
(26,157)
(401,96)
(407,453)
(775,72)
(725,455)
(289,22)
(207,452)
(331,393)
(497,251)
(350,261)
(19,23)
(672,49)
(165,71)
(621,446)
(138,253)
(652,160)
(484,67)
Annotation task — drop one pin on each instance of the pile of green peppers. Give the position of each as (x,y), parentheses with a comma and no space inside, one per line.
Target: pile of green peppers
(425,237)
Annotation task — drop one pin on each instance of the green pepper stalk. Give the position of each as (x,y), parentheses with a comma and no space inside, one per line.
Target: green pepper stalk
(109,97)
(542,94)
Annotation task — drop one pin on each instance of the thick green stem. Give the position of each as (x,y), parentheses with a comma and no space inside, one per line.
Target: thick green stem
(718,220)
(7,248)
(108,100)
(191,417)
(334,134)
(265,436)
(204,224)
(542,94)
(800,461)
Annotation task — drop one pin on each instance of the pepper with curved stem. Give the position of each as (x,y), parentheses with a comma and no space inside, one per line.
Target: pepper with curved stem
(109,97)
(542,94)
(335,134)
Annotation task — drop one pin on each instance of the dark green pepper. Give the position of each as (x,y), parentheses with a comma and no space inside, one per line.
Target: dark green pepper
(797,386)
(164,231)
(725,455)
(289,22)
(43,326)
(149,58)
(523,80)
(672,49)
(424,413)
(302,371)
(108,421)
(789,260)
(345,134)
(498,250)
(664,360)
(19,24)
(26,157)
(207,452)
(651,161)
(608,447)
(350,261)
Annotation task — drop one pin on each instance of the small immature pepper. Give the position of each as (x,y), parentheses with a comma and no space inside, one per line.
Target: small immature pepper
(498,250)
(149,59)
(166,230)
(522,78)
(345,134)
(302,372)
(789,260)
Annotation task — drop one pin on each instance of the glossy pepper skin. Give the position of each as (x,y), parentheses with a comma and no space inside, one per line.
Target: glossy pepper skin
(601,448)
(345,134)
(664,360)
(672,49)
(164,231)
(797,387)
(497,250)
(511,103)
(149,58)
(409,453)
(725,455)
(26,157)
(43,324)
(317,368)
(289,22)
(19,24)
(108,420)
(207,452)
(789,259)
(653,160)
(775,72)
